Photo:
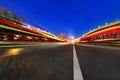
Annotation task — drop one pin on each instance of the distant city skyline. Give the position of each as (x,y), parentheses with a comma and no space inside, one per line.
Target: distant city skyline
(72,17)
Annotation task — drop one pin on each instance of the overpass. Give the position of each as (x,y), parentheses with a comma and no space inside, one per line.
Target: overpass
(12,30)
(109,32)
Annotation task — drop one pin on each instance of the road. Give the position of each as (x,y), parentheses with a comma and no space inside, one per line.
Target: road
(56,61)
(99,62)
(41,62)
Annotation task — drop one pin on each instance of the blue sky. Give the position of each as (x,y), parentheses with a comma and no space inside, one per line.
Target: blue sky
(72,17)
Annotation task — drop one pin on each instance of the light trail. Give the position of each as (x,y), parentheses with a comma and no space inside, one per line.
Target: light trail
(32,20)
(14,29)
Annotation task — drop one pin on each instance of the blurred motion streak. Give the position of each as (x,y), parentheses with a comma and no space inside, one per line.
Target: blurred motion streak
(107,33)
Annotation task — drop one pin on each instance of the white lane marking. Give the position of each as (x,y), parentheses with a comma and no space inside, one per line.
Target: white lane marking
(76,67)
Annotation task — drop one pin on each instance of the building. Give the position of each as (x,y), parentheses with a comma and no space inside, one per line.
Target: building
(63,37)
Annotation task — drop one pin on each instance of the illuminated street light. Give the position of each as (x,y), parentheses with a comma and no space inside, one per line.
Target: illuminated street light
(71,37)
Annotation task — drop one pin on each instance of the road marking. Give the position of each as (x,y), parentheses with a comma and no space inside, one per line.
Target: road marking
(76,67)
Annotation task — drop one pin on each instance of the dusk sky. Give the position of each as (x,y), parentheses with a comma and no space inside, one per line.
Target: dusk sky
(72,17)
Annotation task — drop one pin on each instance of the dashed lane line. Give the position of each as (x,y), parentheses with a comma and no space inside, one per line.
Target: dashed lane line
(76,67)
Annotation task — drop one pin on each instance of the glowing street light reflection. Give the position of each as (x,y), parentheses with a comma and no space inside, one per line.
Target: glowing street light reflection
(14,51)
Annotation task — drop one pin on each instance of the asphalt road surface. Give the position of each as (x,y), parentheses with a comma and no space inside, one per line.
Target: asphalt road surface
(56,61)
(99,62)
(41,62)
